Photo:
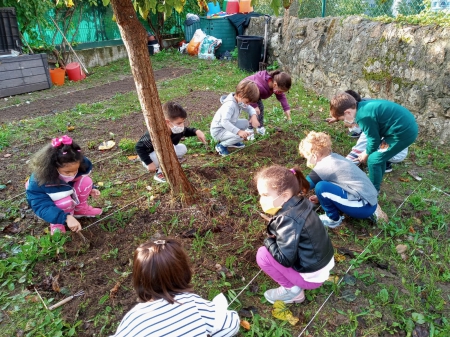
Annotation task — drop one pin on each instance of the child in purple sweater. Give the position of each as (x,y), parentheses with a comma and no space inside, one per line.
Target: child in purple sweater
(269,83)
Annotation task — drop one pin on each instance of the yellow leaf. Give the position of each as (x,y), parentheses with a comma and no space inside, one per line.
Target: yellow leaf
(100,184)
(334,279)
(245,325)
(132,157)
(338,257)
(106,145)
(70,128)
(69,3)
(280,311)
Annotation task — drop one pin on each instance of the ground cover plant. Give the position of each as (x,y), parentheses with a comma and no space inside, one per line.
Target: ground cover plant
(395,276)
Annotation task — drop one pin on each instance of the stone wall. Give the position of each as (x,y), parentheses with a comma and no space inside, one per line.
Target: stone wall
(409,65)
(100,56)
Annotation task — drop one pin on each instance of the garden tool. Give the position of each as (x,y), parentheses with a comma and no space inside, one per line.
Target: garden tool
(263,64)
(68,299)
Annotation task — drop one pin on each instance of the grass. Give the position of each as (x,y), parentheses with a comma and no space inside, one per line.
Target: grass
(388,294)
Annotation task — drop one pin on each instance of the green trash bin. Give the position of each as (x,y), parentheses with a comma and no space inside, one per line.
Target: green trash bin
(249,52)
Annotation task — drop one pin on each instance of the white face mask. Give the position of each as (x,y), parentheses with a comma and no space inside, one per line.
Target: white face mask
(176,129)
(67,178)
(243,105)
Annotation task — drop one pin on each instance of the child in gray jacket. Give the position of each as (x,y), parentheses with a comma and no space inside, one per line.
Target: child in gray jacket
(226,127)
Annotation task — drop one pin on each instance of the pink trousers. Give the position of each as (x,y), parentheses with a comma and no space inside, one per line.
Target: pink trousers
(284,276)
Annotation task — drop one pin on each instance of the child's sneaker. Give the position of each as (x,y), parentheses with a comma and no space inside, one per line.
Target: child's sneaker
(329,222)
(56,227)
(292,295)
(239,145)
(388,167)
(354,134)
(159,177)
(261,130)
(222,150)
(86,211)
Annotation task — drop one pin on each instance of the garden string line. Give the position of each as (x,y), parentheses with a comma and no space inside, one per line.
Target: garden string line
(350,267)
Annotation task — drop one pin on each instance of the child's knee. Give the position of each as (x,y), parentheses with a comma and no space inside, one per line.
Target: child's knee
(261,256)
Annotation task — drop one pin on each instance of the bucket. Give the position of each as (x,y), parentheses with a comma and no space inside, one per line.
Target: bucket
(232,7)
(74,71)
(213,8)
(245,6)
(224,5)
(249,52)
(57,76)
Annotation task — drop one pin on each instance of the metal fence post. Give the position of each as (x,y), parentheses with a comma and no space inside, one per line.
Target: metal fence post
(324,7)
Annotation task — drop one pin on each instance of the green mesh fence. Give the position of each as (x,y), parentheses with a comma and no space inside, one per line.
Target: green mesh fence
(372,8)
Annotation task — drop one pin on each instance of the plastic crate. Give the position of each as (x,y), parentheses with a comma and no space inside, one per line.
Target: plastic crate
(220,28)
(9,31)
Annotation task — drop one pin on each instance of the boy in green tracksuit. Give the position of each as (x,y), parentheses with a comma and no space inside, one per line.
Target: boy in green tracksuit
(377,119)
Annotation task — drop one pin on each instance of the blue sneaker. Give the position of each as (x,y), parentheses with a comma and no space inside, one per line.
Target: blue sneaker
(239,145)
(222,150)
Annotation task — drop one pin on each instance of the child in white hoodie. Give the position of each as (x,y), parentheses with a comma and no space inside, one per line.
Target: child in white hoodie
(226,127)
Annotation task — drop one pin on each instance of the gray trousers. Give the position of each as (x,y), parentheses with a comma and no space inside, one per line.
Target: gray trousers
(227,138)
(180,150)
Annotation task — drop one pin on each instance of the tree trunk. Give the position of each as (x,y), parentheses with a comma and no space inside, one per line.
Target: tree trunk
(134,38)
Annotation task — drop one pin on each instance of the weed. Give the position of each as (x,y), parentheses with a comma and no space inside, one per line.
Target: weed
(127,145)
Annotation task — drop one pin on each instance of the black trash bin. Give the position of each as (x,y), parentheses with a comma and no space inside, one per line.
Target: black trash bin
(249,52)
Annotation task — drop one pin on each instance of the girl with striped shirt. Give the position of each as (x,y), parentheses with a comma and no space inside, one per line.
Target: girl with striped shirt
(161,278)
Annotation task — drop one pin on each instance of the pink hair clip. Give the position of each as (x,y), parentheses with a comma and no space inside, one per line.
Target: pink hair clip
(292,170)
(64,140)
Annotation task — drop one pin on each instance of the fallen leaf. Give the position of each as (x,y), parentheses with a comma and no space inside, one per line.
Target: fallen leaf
(118,182)
(411,229)
(132,157)
(404,257)
(405,180)
(100,183)
(7,155)
(106,145)
(350,280)
(245,325)
(339,257)
(32,298)
(114,290)
(281,312)
(401,249)
(333,278)
(149,188)
(348,295)
(55,284)
(195,155)
(248,312)
(12,229)
(70,128)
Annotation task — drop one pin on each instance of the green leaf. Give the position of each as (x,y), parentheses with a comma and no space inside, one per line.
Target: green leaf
(350,280)
(418,318)
(106,2)
(103,299)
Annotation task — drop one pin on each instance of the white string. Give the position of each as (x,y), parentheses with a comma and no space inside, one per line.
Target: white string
(245,287)
(350,267)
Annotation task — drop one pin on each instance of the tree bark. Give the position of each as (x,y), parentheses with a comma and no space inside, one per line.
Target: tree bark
(134,38)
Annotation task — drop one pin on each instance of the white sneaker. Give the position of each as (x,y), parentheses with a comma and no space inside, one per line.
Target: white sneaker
(261,130)
(330,223)
(292,295)
(250,130)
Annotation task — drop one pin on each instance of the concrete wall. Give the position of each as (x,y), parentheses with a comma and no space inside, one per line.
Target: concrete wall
(406,64)
(99,56)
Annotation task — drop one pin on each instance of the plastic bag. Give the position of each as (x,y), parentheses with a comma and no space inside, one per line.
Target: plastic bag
(195,42)
(207,47)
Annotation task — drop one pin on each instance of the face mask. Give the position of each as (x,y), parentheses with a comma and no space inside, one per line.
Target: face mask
(309,162)
(67,178)
(268,207)
(176,129)
(349,122)
(243,105)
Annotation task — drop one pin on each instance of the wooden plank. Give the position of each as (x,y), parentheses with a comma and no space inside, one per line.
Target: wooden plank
(12,74)
(23,89)
(23,81)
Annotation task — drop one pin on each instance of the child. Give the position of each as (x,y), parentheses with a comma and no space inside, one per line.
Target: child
(161,279)
(59,186)
(175,116)
(275,82)
(225,126)
(298,253)
(340,186)
(378,119)
(361,144)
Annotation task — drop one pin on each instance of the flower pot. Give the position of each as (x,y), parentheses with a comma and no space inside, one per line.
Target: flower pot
(57,76)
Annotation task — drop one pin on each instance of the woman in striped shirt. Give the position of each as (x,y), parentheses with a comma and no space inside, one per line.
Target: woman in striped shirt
(162,280)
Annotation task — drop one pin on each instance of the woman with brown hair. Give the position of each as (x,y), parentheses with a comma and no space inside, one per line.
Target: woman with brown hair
(162,281)
(297,252)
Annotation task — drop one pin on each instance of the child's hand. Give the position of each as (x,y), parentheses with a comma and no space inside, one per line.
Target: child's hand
(254,121)
(314,199)
(95,193)
(201,136)
(243,134)
(151,167)
(288,115)
(331,120)
(363,158)
(73,224)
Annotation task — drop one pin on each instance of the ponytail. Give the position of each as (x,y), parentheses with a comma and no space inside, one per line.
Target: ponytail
(282,179)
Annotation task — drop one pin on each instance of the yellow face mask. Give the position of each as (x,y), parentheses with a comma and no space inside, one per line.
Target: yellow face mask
(268,206)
